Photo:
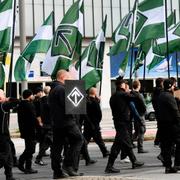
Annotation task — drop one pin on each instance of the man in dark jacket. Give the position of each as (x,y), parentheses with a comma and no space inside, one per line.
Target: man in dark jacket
(64,127)
(6,160)
(27,125)
(169,126)
(92,123)
(155,95)
(119,103)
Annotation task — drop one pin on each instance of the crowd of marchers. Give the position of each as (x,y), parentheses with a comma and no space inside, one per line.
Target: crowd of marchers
(42,119)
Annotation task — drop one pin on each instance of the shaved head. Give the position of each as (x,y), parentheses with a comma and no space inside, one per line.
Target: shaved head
(92,91)
(63,75)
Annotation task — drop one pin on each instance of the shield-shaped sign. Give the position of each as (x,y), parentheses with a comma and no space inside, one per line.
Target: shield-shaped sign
(75,102)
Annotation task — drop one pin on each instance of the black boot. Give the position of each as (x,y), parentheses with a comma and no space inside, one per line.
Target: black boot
(10,178)
(21,164)
(137,164)
(70,171)
(91,161)
(28,169)
(110,168)
(170,170)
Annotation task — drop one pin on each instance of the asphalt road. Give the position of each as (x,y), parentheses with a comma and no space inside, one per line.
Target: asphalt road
(152,169)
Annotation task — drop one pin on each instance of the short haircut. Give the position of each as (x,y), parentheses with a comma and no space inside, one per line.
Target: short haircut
(159,82)
(27,93)
(136,84)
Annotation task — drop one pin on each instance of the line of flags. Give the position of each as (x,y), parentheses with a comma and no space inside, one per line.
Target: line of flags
(143,27)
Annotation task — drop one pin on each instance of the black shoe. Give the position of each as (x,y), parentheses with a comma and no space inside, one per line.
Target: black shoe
(170,170)
(21,168)
(137,164)
(70,171)
(177,167)
(30,171)
(91,161)
(40,162)
(142,151)
(161,158)
(106,154)
(10,178)
(60,175)
(112,170)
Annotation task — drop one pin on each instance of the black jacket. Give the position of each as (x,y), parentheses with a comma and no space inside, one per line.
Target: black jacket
(155,95)
(27,119)
(4,116)
(94,110)
(56,101)
(168,112)
(119,103)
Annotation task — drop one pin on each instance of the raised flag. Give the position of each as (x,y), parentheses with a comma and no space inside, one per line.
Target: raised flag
(66,45)
(150,20)
(173,42)
(39,44)
(92,59)
(122,35)
(6,24)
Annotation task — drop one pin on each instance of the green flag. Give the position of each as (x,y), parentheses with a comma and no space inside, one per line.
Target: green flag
(92,59)
(150,20)
(173,42)
(2,75)
(66,45)
(39,44)
(6,24)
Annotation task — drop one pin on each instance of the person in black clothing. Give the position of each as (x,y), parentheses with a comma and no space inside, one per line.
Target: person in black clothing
(64,127)
(119,103)
(27,126)
(46,128)
(6,159)
(139,124)
(92,122)
(155,95)
(156,92)
(169,126)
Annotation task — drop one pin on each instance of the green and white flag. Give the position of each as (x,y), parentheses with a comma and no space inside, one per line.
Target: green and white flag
(173,42)
(150,20)
(2,75)
(92,59)
(122,35)
(6,24)
(39,44)
(66,45)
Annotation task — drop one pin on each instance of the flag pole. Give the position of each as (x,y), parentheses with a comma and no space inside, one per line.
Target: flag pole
(177,71)
(132,40)
(144,75)
(12,52)
(167,39)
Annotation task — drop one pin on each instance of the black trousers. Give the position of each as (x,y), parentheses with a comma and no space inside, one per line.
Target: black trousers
(75,140)
(168,139)
(122,142)
(45,143)
(6,159)
(96,135)
(27,155)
